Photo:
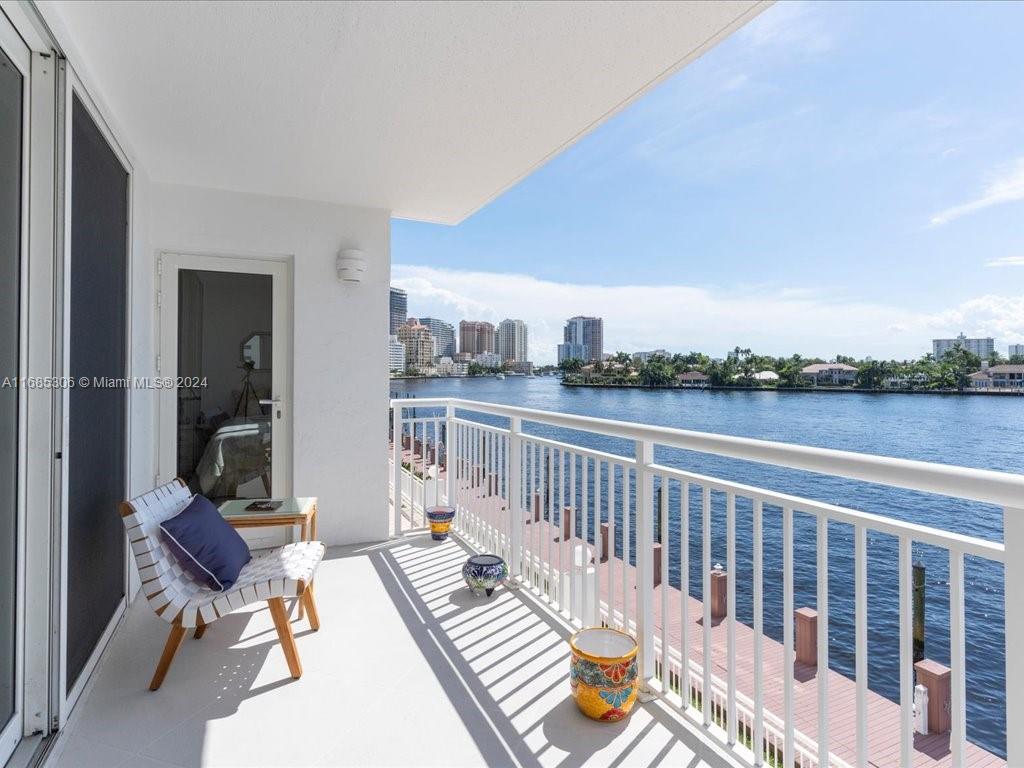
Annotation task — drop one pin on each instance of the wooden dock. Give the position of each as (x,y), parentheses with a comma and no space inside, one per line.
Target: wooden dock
(883,714)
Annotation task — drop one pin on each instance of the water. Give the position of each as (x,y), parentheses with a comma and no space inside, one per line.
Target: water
(980,432)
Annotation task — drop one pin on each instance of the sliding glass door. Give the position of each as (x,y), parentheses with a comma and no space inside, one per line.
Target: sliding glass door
(13,83)
(96,439)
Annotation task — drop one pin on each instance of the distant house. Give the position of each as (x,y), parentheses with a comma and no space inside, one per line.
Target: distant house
(905,381)
(1007,376)
(833,374)
(980,380)
(692,379)
(767,377)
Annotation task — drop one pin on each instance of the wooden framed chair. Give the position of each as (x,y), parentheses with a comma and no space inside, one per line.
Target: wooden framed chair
(185,604)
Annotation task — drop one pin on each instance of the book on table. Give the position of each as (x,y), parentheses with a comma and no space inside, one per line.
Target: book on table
(264,505)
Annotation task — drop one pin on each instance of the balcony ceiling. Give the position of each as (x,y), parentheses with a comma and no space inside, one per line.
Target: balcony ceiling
(429,110)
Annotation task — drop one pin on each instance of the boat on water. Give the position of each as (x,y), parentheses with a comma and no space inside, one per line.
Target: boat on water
(500,376)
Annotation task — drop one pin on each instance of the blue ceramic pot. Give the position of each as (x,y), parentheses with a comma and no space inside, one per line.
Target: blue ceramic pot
(484,572)
(440,519)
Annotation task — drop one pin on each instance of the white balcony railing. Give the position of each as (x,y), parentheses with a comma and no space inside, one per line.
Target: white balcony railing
(552,510)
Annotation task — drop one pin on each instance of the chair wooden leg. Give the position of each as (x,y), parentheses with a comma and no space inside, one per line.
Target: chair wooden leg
(284,632)
(310,603)
(200,629)
(170,648)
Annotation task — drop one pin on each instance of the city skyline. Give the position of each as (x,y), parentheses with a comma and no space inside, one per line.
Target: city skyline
(571,346)
(750,195)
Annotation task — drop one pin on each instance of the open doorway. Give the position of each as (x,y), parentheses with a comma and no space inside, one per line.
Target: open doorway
(225,424)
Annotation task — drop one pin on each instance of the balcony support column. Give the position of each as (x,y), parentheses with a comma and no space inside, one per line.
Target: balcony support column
(396,450)
(1013,541)
(513,482)
(644,560)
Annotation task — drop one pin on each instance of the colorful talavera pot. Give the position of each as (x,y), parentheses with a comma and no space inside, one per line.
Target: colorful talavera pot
(484,572)
(440,519)
(603,673)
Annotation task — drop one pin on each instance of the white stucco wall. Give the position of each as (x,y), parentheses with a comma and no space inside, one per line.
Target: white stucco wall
(340,383)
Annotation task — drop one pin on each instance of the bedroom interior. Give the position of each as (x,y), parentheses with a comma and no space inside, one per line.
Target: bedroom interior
(224,438)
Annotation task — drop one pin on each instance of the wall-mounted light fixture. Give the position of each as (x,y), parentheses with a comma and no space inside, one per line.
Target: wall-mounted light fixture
(351,265)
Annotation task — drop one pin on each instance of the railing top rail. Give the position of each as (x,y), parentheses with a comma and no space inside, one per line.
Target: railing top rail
(985,485)
(969,545)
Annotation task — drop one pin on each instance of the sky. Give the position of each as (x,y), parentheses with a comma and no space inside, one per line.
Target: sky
(834,178)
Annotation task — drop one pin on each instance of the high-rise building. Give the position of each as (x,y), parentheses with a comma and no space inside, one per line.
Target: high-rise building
(419,344)
(396,355)
(488,359)
(586,332)
(1016,350)
(645,357)
(569,351)
(444,336)
(476,336)
(982,347)
(399,309)
(512,341)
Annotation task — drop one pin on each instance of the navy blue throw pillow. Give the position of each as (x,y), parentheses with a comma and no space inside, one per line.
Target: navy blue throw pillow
(205,544)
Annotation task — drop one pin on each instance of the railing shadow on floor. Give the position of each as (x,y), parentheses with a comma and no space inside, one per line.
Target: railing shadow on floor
(499,739)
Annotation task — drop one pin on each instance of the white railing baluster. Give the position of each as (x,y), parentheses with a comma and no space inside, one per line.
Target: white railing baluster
(644,559)
(1013,577)
(758,600)
(663,578)
(906,651)
(573,586)
(423,470)
(730,559)
(706,600)
(585,511)
(626,512)
(459,472)
(449,456)
(559,498)
(437,461)
(550,527)
(822,641)
(595,618)
(957,659)
(609,552)
(536,472)
(396,457)
(684,592)
(860,568)
(787,634)
(515,474)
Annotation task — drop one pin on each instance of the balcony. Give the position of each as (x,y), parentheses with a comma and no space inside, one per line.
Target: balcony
(409,668)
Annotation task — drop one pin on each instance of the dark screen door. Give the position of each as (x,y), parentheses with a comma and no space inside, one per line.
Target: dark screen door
(10,258)
(97,439)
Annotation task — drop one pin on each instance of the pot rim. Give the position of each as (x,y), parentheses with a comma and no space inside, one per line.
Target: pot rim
(604,659)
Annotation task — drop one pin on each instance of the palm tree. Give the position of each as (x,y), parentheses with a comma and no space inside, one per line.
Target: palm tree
(571,365)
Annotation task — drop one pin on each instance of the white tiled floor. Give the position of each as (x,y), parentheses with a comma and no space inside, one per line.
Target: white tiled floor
(408,669)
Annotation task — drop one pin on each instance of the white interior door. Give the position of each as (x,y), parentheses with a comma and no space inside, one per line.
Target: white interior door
(225,423)
(15,63)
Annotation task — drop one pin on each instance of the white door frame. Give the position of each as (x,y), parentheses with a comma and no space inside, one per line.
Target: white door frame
(12,731)
(169,264)
(66,699)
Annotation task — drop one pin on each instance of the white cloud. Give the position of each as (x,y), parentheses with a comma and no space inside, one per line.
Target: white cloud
(790,25)
(770,320)
(1001,317)
(1006,261)
(1004,187)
